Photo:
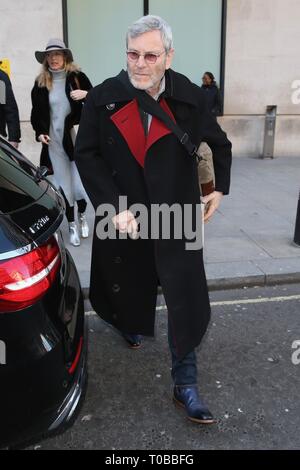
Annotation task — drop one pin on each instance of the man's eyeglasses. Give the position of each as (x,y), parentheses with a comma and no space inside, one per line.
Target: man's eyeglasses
(149,57)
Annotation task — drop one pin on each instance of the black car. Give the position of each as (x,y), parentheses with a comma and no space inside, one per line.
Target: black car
(42,331)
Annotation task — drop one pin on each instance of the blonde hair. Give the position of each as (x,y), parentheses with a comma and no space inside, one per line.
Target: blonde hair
(45,78)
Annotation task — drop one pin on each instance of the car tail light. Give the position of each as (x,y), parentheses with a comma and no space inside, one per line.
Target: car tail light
(26,278)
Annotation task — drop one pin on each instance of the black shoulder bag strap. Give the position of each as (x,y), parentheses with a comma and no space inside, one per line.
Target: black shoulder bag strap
(151,106)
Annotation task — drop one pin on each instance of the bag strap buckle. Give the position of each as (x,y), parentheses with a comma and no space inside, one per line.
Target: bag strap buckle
(184,139)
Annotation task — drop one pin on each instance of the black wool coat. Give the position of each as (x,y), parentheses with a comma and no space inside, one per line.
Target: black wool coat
(40,113)
(213,98)
(9,113)
(114,160)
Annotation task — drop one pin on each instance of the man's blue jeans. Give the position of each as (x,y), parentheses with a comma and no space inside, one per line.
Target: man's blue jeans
(184,372)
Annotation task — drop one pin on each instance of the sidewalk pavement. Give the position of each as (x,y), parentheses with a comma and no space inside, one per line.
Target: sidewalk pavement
(249,241)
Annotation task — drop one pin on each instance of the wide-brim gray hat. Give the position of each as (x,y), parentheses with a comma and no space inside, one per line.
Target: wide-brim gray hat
(54,45)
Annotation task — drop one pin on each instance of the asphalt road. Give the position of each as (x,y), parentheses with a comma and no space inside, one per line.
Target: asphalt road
(248,375)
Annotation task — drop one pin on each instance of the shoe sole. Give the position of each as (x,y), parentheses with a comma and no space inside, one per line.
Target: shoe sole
(132,346)
(194,420)
(83,235)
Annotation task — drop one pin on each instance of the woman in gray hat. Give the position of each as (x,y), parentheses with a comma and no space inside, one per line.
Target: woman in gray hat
(57,99)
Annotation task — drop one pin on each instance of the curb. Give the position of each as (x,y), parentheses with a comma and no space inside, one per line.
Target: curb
(239,282)
(252,281)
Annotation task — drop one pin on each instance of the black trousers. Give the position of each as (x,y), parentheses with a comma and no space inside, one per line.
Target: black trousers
(70,214)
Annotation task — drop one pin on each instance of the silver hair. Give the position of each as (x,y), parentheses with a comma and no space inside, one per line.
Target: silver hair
(151,23)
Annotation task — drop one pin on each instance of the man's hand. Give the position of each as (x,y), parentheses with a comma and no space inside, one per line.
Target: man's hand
(212,202)
(78,95)
(14,144)
(126,223)
(45,139)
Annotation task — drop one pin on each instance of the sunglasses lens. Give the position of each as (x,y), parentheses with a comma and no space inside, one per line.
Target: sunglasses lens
(151,58)
(132,56)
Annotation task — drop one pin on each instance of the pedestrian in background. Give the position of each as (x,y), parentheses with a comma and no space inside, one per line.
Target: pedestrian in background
(206,167)
(57,99)
(9,113)
(212,93)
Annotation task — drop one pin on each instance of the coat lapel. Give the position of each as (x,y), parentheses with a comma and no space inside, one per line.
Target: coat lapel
(158,129)
(128,121)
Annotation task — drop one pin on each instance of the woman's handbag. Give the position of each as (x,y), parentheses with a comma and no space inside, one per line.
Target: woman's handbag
(206,173)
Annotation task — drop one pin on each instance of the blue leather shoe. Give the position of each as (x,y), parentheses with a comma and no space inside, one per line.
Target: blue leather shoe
(188,398)
(134,341)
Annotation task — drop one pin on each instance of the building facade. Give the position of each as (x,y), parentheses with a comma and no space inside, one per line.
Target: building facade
(249,45)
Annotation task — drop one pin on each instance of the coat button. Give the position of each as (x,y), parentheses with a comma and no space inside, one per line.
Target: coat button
(115,316)
(110,106)
(116,288)
(110,141)
(118,260)
(114,173)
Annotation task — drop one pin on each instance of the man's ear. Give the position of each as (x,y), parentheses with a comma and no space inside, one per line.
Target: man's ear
(170,56)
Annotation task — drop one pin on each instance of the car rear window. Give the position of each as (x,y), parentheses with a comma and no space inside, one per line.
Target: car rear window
(17,186)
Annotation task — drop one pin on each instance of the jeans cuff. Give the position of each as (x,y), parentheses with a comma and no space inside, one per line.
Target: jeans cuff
(186,385)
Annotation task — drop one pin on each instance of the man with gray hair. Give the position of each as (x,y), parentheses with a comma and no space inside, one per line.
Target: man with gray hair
(124,149)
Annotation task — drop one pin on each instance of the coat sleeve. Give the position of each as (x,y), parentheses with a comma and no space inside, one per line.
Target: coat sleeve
(217,140)
(11,113)
(78,81)
(217,103)
(95,174)
(84,82)
(36,117)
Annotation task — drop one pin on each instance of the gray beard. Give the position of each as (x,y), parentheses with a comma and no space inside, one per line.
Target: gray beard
(138,85)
